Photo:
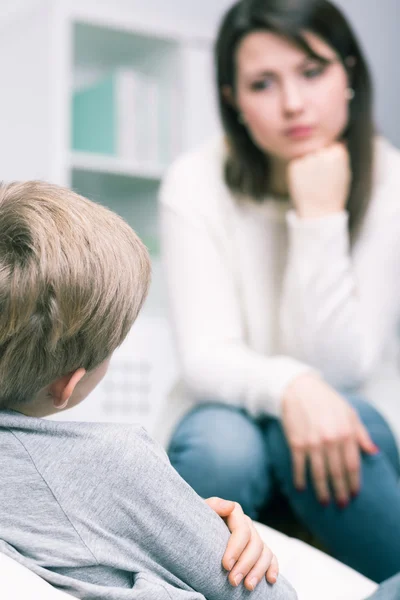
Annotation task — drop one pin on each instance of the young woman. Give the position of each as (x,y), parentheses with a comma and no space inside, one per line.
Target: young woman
(281,243)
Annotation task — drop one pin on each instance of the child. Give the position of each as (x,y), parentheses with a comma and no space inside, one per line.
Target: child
(95,509)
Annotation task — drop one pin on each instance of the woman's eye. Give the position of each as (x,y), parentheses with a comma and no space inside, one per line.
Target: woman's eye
(313,72)
(264,84)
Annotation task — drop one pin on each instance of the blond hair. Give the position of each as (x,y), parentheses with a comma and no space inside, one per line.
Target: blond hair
(73,277)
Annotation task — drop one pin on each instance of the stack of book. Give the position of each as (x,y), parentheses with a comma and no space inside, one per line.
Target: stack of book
(126,114)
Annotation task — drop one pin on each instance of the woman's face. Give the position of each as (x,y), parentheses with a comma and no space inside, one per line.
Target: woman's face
(291,104)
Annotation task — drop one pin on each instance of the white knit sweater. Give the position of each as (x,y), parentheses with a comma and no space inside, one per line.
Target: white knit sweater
(259,296)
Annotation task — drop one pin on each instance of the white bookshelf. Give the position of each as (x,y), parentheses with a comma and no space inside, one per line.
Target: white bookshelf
(87,162)
(48,52)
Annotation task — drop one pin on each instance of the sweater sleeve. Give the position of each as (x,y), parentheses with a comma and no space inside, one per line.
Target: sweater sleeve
(340,305)
(204,297)
(136,514)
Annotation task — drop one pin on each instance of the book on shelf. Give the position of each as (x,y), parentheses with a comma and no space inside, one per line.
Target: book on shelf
(169,123)
(126,114)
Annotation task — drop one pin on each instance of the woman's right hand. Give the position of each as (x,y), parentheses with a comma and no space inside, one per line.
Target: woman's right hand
(319,183)
(323,429)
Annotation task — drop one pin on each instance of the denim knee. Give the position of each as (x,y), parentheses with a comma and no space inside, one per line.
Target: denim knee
(221,451)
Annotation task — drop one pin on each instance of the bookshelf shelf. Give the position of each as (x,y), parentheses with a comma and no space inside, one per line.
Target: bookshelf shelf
(97,163)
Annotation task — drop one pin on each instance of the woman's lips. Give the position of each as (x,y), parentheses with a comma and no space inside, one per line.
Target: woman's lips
(300,132)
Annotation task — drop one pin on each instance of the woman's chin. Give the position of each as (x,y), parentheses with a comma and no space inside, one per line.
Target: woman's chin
(299,148)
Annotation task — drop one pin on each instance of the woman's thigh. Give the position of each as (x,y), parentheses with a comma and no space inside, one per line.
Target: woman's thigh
(221,451)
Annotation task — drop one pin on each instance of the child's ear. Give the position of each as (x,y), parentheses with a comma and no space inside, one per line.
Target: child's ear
(62,389)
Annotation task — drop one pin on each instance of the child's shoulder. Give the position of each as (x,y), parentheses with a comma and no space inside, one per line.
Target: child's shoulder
(83,443)
(109,438)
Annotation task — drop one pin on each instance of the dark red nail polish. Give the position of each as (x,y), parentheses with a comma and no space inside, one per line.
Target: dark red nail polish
(342,504)
(355,494)
(300,489)
(325,503)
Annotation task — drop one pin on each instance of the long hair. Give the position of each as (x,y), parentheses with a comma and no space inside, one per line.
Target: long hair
(247,169)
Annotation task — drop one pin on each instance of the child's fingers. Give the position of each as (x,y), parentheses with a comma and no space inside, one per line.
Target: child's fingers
(260,569)
(241,529)
(223,508)
(256,558)
(273,571)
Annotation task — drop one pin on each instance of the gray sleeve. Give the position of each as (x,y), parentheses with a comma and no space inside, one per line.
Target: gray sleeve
(389,590)
(152,521)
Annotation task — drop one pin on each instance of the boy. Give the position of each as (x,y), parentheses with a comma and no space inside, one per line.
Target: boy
(94,509)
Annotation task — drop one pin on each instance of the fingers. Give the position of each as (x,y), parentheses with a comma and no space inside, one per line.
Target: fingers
(336,464)
(266,566)
(273,571)
(253,562)
(320,475)
(223,508)
(364,440)
(337,474)
(351,455)
(247,557)
(299,468)
(240,527)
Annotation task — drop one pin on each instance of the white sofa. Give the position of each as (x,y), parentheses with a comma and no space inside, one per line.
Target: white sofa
(18,583)
(314,575)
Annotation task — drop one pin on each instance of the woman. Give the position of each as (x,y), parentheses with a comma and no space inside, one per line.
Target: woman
(282,251)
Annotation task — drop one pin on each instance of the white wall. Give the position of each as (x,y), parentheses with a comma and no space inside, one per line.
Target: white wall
(377,23)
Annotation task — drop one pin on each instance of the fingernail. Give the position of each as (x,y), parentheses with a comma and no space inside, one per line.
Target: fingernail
(355,494)
(300,489)
(342,504)
(253,584)
(231,564)
(238,579)
(325,502)
(376,450)
(274,577)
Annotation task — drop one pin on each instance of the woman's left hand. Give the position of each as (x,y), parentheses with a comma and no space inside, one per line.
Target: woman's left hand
(246,557)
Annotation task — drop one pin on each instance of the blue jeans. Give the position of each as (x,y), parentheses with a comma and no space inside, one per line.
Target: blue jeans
(221,451)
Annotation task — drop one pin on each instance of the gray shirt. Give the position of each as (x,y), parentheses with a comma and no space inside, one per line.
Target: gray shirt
(97,511)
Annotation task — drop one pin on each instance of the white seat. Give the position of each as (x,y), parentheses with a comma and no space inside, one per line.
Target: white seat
(312,573)
(18,583)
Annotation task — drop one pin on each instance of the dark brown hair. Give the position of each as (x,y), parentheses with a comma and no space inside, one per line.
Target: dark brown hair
(247,167)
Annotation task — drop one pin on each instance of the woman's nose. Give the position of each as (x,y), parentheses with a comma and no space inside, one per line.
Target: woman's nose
(292,99)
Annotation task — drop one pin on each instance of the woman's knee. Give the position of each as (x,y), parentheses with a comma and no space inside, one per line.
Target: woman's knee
(219,450)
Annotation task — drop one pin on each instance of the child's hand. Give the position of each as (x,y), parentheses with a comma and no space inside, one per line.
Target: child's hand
(246,557)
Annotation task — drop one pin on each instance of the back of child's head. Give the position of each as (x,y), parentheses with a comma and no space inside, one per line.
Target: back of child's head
(73,277)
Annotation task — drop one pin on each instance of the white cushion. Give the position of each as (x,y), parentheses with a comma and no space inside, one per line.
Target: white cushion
(18,583)
(313,574)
